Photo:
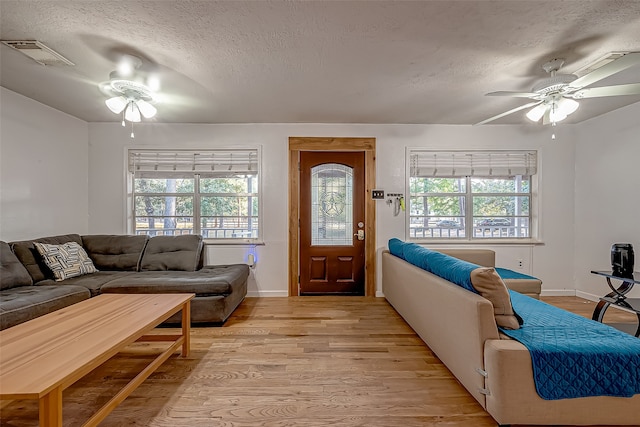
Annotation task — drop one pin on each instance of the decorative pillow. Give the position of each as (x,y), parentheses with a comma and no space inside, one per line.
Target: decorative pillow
(489,284)
(65,261)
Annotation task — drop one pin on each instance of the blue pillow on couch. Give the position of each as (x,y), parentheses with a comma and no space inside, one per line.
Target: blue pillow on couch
(452,269)
(396,247)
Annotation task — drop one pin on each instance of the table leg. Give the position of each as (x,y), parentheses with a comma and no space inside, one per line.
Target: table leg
(598,313)
(51,408)
(186,328)
(621,290)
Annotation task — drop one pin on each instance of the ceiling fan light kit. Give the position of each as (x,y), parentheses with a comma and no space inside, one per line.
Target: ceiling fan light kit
(536,113)
(133,97)
(116,104)
(132,113)
(558,109)
(555,96)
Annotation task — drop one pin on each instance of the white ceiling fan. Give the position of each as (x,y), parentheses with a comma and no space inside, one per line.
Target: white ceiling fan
(131,92)
(555,96)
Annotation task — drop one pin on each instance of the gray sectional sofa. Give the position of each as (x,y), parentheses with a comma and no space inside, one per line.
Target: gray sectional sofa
(125,264)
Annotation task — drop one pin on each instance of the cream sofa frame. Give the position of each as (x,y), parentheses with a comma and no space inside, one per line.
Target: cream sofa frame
(459,327)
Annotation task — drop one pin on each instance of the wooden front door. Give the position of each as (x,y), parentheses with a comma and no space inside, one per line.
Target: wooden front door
(332,214)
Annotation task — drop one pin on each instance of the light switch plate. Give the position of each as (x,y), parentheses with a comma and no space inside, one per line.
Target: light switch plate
(377,194)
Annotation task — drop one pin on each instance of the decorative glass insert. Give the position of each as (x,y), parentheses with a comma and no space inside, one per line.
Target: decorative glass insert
(331,205)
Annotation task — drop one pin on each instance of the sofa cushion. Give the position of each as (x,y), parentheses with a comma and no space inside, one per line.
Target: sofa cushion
(172,253)
(396,247)
(31,259)
(66,260)
(17,305)
(93,282)
(489,284)
(214,280)
(452,269)
(115,252)
(12,272)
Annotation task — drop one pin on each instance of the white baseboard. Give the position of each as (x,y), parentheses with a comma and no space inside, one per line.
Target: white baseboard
(267,294)
(379,294)
(588,296)
(558,293)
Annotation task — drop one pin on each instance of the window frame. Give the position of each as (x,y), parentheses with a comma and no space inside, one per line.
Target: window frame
(467,196)
(197,195)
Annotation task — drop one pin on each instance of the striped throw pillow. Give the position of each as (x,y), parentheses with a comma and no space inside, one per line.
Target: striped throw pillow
(66,261)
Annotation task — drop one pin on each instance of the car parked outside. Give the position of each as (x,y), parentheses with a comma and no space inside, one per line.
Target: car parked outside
(494,222)
(447,223)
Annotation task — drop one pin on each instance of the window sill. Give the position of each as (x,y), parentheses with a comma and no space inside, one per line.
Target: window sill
(233,242)
(485,242)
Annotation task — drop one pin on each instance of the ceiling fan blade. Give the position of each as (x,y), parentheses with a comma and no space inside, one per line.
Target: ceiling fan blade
(596,92)
(605,71)
(513,94)
(506,113)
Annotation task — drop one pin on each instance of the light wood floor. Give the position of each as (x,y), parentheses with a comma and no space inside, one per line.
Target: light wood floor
(306,361)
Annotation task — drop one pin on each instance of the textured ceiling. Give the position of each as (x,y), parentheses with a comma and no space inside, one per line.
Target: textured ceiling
(317,61)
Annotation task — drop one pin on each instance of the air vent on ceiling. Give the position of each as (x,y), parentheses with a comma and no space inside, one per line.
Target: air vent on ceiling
(604,60)
(38,52)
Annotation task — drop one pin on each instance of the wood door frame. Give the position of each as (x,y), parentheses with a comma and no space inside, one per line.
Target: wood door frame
(366,145)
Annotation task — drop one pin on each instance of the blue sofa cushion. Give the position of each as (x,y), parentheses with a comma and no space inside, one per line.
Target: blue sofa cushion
(505,273)
(488,282)
(452,269)
(396,247)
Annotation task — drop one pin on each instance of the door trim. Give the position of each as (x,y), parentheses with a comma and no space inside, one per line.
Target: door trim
(368,145)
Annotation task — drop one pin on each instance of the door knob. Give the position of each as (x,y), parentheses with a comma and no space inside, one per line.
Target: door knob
(360,234)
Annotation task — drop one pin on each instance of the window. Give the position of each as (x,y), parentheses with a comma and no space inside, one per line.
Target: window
(470,195)
(214,193)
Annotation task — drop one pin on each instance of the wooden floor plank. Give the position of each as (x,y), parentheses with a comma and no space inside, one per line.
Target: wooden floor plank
(304,361)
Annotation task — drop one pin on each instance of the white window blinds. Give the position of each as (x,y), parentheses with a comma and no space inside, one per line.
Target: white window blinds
(153,163)
(427,163)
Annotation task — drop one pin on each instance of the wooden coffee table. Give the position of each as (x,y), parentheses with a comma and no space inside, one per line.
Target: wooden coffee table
(42,357)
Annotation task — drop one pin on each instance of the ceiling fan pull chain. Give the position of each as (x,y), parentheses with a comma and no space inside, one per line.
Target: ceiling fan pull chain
(132,134)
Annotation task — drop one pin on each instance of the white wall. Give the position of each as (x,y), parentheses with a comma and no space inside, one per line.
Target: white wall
(108,143)
(607,195)
(46,163)
(43,170)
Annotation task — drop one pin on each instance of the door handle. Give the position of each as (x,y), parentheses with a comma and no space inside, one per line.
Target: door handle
(360,234)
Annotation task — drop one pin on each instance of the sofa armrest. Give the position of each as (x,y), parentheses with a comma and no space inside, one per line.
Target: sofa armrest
(513,398)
